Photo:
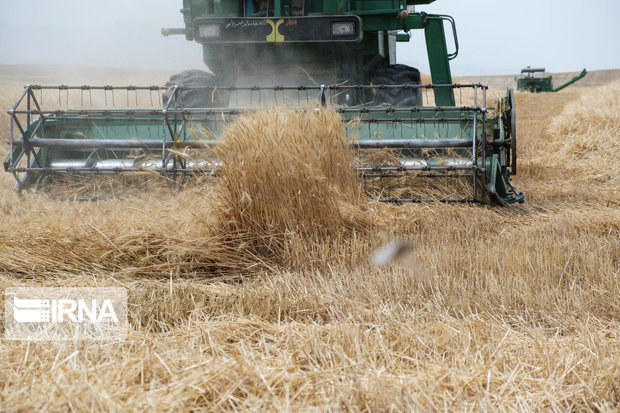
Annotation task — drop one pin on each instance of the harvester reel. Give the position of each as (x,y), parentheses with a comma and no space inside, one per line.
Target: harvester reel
(198,90)
(397,75)
(407,153)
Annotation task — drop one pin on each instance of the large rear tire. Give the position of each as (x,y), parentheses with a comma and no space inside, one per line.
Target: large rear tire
(397,75)
(205,94)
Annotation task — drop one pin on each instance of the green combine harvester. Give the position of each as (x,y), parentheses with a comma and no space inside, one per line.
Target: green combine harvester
(529,83)
(297,54)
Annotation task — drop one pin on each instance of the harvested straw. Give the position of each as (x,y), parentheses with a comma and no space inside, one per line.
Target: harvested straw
(504,309)
(586,133)
(288,183)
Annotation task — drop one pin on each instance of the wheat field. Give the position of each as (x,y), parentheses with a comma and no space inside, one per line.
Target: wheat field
(256,292)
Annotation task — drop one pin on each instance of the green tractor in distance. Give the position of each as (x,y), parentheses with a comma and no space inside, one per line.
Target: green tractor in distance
(297,54)
(529,83)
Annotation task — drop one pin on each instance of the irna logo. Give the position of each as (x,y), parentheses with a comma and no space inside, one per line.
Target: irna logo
(65,313)
(57,311)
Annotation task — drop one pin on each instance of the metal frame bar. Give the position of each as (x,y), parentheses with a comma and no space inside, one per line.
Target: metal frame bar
(108,171)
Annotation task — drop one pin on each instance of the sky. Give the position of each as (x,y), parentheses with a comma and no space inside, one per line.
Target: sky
(502,36)
(495,36)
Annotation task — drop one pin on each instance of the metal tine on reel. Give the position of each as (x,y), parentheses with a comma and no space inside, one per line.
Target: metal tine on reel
(151,90)
(105,94)
(60,89)
(90,93)
(129,89)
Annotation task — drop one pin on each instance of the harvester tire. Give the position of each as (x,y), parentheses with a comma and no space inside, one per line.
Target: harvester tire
(397,75)
(209,96)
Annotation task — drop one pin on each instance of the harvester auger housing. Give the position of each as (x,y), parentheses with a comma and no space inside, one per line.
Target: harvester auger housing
(303,55)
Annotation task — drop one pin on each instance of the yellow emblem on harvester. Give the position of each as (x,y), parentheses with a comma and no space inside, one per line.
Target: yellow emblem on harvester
(275,36)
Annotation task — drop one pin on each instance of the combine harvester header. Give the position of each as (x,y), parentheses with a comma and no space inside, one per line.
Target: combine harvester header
(295,54)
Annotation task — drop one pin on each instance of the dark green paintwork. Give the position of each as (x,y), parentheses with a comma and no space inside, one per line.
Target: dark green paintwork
(377,15)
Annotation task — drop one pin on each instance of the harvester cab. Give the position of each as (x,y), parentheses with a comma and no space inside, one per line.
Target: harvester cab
(419,137)
(535,84)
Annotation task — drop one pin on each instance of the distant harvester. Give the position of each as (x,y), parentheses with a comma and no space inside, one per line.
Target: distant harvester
(529,83)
